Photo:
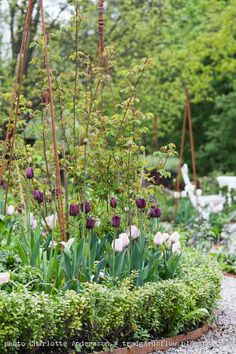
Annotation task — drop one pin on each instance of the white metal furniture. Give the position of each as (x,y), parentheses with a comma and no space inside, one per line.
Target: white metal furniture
(230,183)
(205,204)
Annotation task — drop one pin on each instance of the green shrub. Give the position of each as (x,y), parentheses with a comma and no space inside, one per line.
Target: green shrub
(112,314)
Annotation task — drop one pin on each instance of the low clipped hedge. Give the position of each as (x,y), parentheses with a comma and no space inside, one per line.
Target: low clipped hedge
(101,315)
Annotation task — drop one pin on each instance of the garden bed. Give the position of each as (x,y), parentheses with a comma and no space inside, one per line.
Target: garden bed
(103,317)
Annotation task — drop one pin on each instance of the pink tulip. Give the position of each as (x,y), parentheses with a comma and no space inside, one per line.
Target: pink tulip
(33,222)
(51,221)
(10,210)
(117,245)
(175,237)
(4,278)
(133,232)
(159,239)
(176,248)
(125,240)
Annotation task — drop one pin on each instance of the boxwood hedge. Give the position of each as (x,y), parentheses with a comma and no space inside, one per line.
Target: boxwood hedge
(102,315)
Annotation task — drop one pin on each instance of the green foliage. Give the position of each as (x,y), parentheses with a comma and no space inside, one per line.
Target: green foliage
(111,315)
(93,259)
(191,44)
(227,261)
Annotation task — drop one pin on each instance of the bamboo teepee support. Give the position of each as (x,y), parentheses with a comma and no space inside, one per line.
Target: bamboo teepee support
(16,93)
(191,139)
(14,107)
(100,31)
(60,211)
(187,119)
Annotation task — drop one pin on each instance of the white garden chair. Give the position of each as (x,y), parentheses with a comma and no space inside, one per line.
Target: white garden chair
(204,204)
(230,183)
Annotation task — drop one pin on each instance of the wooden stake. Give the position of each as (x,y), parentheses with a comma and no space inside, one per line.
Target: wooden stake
(60,211)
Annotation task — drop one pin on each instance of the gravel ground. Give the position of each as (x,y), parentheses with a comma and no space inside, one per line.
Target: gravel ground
(223,339)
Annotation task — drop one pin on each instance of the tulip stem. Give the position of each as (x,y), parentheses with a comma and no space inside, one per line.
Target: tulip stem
(75,227)
(113,263)
(84,190)
(28,226)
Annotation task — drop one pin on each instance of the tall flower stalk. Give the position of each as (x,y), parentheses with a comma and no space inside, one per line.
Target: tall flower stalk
(29,175)
(84,187)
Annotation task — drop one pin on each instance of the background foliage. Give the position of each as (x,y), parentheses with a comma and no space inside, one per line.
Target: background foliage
(191,43)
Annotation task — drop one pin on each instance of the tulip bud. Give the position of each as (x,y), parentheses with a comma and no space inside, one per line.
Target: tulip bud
(52,244)
(74,210)
(116,221)
(176,248)
(90,223)
(113,202)
(51,221)
(4,278)
(10,210)
(175,237)
(85,208)
(133,232)
(117,245)
(155,212)
(38,196)
(159,239)
(140,203)
(33,222)
(125,239)
(29,173)
(97,222)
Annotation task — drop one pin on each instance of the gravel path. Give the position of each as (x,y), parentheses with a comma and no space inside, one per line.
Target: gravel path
(223,339)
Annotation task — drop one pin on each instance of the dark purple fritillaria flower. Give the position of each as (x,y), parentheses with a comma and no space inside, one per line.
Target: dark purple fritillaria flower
(113,202)
(86,208)
(140,203)
(29,173)
(38,196)
(90,223)
(155,212)
(116,221)
(74,209)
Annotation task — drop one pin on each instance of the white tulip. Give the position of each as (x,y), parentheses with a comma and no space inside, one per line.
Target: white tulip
(10,210)
(176,248)
(51,221)
(125,239)
(159,239)
(69,243)
(166,236)
(52,244)
(4,278)
(97,222)
(33,222)
(174,237)
(117,245)
(133,232)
